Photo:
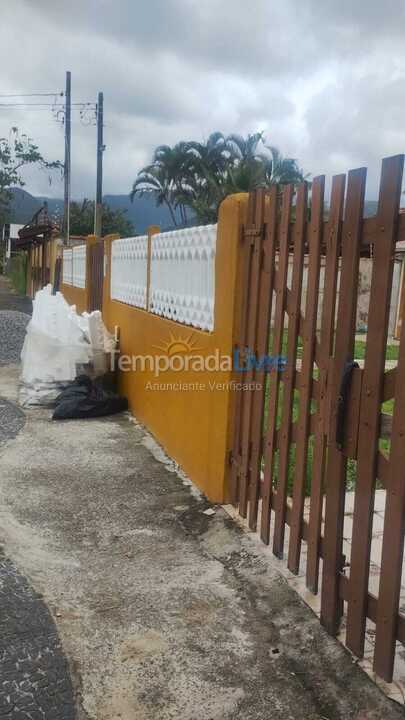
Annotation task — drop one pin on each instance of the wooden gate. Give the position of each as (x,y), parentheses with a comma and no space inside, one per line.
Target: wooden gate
(302,430)
(96,272)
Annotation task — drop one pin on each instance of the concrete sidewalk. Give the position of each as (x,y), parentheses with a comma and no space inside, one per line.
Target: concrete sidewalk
(164,612)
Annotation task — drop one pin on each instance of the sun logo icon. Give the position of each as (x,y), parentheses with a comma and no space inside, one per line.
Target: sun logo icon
(178,345)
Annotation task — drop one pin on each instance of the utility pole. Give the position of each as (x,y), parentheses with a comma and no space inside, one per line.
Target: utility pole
(98,214)
(68,119)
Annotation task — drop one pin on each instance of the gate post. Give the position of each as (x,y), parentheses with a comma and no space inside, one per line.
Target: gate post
(90,240)
(94,272)
(152,230)
(107,242)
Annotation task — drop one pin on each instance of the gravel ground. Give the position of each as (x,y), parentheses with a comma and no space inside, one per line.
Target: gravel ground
(12,332)
(12,419)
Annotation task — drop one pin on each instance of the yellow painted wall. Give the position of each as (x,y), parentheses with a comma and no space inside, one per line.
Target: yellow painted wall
(194,426)
(75,296)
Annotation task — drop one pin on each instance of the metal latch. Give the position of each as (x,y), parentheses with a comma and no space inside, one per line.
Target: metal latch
(342,402)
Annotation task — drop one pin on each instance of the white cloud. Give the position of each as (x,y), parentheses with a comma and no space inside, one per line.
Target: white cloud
(324,80)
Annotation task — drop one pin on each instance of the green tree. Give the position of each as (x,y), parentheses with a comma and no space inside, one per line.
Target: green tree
(114,221)
(16,153)
(197,176)
(165,178)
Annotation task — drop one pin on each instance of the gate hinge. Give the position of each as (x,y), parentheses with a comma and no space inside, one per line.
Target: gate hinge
(254,233)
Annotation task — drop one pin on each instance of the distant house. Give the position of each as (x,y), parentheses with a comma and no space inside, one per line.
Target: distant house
(9,237)
(40,242)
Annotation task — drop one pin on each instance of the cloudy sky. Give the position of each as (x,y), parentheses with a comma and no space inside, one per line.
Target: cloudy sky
(323,79)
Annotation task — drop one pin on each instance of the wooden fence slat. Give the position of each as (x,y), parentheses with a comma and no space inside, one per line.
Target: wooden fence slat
(372,604)
(311,308)
(255,222)
(276,351)
(332,246)
(244,274)
(393,537)
(289,374)
(373,377)
(262,348)
(335,478)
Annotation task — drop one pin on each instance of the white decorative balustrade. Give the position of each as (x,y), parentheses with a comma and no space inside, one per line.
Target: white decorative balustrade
(67,266)
(129,269)
(182,283)
(79,266)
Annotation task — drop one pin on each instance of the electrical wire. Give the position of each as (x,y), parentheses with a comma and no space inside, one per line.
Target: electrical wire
(29,105)
(40,94)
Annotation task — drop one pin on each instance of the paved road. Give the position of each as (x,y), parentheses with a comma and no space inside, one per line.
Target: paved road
(35,681)
(34,676)
(166,613)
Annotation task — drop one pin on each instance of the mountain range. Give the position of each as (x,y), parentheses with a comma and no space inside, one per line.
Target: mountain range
(141,212)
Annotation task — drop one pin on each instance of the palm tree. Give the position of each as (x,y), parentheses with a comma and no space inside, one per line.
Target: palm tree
(199,175)
(244,149)
(164,179)
(281,170)
(153,180)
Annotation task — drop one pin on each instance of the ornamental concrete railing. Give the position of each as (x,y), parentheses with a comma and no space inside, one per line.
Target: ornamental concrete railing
(182,282)
(169,274)
(67,266)
(79,266)
(129,270)
(74,266)
(74,275)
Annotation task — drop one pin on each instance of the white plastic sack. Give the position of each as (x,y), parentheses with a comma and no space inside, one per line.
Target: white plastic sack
(54,343)
(59,345)
(40,393)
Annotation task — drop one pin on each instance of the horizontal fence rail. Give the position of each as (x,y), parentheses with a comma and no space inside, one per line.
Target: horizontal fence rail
(182,276)
(129,271)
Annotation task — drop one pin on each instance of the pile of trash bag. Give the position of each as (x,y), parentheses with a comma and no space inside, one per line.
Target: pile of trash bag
(87,398)
(59,345)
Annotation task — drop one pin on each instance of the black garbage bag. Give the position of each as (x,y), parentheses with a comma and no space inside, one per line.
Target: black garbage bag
(85,398)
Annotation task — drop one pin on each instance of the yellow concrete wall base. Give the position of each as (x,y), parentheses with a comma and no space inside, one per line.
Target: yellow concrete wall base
(189,412)
(75,296)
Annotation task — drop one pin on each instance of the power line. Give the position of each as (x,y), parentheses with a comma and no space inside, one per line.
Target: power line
(39,94)
(28,105)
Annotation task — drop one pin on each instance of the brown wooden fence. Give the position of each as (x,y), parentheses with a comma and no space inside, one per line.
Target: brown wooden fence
(297,432)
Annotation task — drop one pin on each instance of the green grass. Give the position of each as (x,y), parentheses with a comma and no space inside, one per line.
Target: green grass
(351,471)
(360,351)
(284,345)
(292,450)
(17,272)
(359,348)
